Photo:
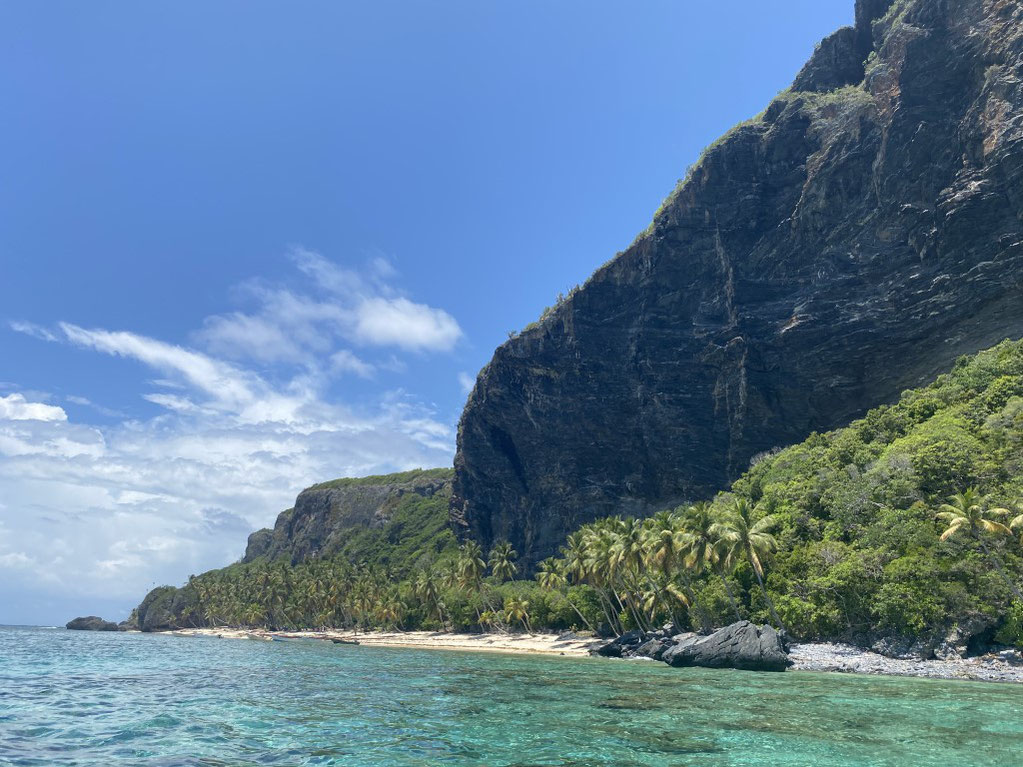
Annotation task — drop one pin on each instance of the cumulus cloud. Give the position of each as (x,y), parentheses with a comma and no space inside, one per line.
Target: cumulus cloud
(333,306)
(466,382)
(399,322)
(14,407)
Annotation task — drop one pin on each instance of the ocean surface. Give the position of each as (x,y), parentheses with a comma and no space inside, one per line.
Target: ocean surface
(82,698)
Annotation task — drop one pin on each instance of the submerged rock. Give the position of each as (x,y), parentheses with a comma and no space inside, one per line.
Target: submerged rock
(90,623)
(742,645)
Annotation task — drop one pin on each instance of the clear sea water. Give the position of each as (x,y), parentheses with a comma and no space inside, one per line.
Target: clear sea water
(81,698)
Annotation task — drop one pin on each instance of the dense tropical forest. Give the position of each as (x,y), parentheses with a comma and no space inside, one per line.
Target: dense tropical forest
(902,524)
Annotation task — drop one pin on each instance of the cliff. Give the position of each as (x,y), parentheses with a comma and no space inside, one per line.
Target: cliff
(848,243)
(391,522)
(326,516)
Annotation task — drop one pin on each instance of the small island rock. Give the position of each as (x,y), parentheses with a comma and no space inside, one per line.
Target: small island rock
(90,623)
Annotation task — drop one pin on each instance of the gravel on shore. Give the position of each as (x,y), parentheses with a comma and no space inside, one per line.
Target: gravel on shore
(853,660)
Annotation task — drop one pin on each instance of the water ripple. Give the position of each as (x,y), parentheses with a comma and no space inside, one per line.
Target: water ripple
(74,698)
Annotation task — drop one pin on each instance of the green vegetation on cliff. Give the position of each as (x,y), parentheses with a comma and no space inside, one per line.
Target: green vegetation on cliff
(385,479)
(899,527)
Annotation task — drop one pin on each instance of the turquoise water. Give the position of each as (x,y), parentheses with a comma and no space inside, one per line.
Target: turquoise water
(80,698)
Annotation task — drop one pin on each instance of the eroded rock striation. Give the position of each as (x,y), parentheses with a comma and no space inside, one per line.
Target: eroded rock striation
(847,244)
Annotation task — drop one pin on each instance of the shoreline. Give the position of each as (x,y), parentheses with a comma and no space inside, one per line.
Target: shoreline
(521,644)
(846,659)
(819,657)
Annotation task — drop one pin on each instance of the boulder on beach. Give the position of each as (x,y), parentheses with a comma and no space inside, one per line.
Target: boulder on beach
(741,645)
(621,647)
(90,623)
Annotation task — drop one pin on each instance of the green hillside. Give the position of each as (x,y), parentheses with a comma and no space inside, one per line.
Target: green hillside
(847,535)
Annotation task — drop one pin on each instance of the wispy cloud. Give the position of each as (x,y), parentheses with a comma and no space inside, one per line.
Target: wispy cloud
(31,329)
(245,419)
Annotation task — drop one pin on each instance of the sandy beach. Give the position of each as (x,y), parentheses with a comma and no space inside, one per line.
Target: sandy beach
(806,657)
(539,644)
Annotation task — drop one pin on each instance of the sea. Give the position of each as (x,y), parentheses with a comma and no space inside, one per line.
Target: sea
(84,698)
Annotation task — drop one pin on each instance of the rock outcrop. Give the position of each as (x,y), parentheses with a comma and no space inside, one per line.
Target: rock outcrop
(849,243)
(325,514)
(90,623)
(742,645)
(163,608)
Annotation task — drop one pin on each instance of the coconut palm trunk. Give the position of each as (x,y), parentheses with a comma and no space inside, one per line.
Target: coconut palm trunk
(728,590)
(763,588)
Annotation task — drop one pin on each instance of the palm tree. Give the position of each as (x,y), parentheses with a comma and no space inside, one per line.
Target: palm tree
(550,576)
(627,564)
(470,565)
(703,545)
(599,566)
(578,559)
(470,569)
(743,535)
(502,561)
(426,589)
(1016,524)
(392,612)
(965,513)
(516,609)
(663,550)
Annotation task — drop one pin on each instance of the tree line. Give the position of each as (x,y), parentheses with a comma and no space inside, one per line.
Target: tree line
(613,575)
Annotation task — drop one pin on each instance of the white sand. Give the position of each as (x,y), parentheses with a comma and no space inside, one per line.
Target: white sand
(543,644)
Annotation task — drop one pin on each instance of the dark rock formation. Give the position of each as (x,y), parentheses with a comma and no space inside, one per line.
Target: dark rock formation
(324,514)
(621,647)
(843,246)
(971,636)
(653,648)
(165,608)
(90,623)
(741,645)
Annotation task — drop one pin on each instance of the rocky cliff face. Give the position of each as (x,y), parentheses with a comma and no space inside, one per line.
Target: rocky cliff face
(849,243)
(324,515)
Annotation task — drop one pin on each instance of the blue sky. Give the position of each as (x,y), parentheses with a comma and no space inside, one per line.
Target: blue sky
(248,246)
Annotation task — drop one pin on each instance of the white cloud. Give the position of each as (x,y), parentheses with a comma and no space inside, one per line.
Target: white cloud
(225,383)
(344,361)
(245,421)
(91,510)
(307,322)
(399,322)
(31,329)
(14,407)
(466,382)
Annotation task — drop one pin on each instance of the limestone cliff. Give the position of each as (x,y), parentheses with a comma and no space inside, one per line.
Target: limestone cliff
(848,243)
